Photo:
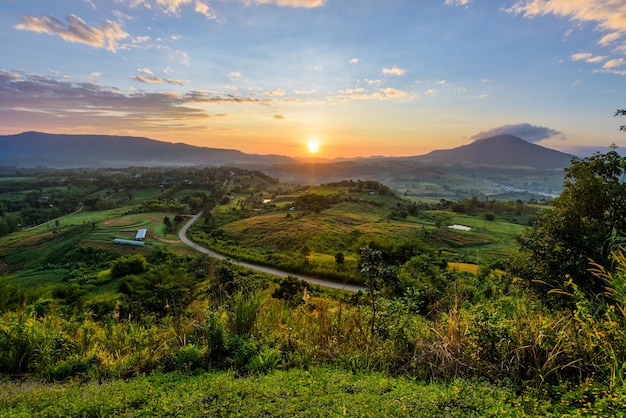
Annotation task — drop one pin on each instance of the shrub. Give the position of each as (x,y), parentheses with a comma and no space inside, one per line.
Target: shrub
(124,266)
(244,311)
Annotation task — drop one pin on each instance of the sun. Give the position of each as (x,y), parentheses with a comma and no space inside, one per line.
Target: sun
(313,145)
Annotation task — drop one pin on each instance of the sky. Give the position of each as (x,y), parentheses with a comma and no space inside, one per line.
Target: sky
(343,78)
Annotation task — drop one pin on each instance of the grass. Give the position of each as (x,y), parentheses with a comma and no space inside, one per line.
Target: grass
(316,392)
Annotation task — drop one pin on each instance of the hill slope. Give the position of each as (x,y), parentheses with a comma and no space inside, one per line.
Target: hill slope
(31,149)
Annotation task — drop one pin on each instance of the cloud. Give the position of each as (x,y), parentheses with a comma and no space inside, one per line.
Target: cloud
(304,92)
(526,131)
(48,102)
(106,35)
(456,2)
(354,61)
(278,117)
(308,4)
(275,93)
(234,75)
(609,38)
(608,15)
(613,63)
(360,94)
(158,80)
(394,71)
(173,7)
(586,56)
(205,10)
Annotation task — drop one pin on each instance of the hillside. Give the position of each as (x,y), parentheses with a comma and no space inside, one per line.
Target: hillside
(32,149)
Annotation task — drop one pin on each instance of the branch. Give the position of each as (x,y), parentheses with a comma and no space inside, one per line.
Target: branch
(621,112)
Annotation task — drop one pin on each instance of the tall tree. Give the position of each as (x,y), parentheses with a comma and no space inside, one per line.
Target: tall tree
(581,225)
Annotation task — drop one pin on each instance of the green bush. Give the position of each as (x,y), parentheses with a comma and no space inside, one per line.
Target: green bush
(124,266)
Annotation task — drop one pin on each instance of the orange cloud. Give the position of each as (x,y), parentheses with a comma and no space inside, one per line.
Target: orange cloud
(106,35)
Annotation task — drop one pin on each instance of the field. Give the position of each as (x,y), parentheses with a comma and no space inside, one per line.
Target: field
(302,237)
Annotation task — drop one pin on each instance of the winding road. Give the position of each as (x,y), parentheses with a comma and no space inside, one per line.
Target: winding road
(275,272)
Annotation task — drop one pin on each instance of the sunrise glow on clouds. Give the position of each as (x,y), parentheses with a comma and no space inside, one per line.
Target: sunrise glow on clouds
(362,77)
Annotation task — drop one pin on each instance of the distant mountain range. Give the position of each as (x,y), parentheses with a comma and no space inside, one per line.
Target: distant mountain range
(503,165)
(32,149)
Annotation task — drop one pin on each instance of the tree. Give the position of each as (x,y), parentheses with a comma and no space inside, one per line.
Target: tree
(581,226)
(291,290)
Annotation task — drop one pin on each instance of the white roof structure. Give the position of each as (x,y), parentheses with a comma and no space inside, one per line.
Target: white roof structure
(141,234)
(460,227)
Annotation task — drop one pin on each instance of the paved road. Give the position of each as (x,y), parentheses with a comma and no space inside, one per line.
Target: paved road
(183,237)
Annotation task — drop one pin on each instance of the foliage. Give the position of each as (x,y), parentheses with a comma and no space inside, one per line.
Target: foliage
(291,290)
(590,211)
(125,266)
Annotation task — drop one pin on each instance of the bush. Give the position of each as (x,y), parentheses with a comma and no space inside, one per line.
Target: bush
(124,266)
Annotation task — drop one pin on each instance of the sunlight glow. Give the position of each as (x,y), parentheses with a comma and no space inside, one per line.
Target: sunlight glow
(313,145)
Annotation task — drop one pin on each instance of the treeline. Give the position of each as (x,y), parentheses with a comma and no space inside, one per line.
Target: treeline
(364,186)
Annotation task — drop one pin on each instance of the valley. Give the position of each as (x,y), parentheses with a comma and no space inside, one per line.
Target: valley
(187,273)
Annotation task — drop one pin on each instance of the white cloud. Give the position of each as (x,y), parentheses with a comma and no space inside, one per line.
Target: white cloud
(456,2)
(106,35)
(354,61)
(304,92)
(275,93)
(607,15)
(586,56)
(234,75)
(361,94)
(173,7)
(526,131)
(145,71)
(308,4)
(394,71)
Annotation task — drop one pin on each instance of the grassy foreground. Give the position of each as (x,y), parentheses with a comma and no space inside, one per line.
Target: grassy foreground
(316,392)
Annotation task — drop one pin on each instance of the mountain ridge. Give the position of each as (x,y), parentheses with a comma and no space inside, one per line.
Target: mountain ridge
(31,149)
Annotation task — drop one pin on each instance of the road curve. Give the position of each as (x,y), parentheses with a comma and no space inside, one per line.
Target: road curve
(275,272)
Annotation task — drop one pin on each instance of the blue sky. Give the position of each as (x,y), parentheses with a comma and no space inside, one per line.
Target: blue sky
(361,77)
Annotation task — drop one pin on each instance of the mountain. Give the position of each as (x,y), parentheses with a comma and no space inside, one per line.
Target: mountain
(500,150)
(32,149)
